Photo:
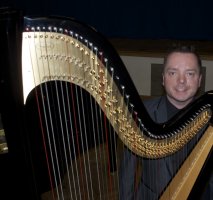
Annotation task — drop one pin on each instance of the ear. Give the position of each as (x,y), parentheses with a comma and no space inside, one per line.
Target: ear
(162,79)
(200,80)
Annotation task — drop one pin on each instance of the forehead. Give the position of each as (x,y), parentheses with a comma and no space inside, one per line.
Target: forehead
(182,60)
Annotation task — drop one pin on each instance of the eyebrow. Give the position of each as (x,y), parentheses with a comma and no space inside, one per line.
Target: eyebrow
(173,68)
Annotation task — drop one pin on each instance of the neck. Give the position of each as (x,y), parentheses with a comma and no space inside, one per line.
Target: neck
(179,104)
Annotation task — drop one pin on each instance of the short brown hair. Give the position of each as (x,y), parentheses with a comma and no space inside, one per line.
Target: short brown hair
(183,49)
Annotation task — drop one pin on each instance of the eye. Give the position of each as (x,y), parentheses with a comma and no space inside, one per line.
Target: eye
(171,73)
(190,74)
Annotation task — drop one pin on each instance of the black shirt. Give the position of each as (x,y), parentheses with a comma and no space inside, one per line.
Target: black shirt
(171,109)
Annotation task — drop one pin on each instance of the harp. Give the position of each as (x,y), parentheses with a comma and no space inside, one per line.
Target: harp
(73,105)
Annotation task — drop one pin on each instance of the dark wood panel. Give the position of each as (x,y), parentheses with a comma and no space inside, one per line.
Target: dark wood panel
(158,48)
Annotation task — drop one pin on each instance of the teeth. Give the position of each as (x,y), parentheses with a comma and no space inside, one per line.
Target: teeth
(180,89)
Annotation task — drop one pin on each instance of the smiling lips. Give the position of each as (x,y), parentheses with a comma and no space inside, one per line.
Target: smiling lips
(180,88)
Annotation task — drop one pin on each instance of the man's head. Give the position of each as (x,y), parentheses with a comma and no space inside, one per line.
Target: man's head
(181,75)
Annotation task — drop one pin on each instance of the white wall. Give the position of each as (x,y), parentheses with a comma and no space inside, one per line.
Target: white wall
(140,71)
(209,74)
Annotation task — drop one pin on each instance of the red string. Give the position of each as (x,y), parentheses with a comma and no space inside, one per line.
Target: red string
(77,132)
(107,147)
(106,133)
(44,144)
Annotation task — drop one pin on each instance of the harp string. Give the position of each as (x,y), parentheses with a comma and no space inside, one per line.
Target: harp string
(65,147)
(97,152)
(80,143)
(106,152)
(90,176)
(60,125)
(79,176)
(32,47)
(40,120)
(97,133)
(105,131)
(71,167)
(46,95)
(52,141)
(98,130)
(51,116)
(44,144)
(111,102)
(62,115)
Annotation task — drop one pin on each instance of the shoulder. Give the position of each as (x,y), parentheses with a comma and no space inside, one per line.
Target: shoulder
(154,102)
(157,108)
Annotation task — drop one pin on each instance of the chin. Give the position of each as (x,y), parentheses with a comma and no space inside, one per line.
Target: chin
(183,99)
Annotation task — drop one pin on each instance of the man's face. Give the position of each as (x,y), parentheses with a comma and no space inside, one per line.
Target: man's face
(181,78)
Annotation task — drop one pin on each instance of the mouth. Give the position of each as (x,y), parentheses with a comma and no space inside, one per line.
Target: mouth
(180,90)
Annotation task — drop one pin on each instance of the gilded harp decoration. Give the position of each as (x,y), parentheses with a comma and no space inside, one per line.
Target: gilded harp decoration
(77,98)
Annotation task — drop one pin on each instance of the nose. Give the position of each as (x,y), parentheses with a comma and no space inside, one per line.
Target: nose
(181,78)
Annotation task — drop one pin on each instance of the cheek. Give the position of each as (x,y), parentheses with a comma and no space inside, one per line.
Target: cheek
(168,82)
(195,83)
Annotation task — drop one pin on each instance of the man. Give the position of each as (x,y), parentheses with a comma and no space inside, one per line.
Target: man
(181,80)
